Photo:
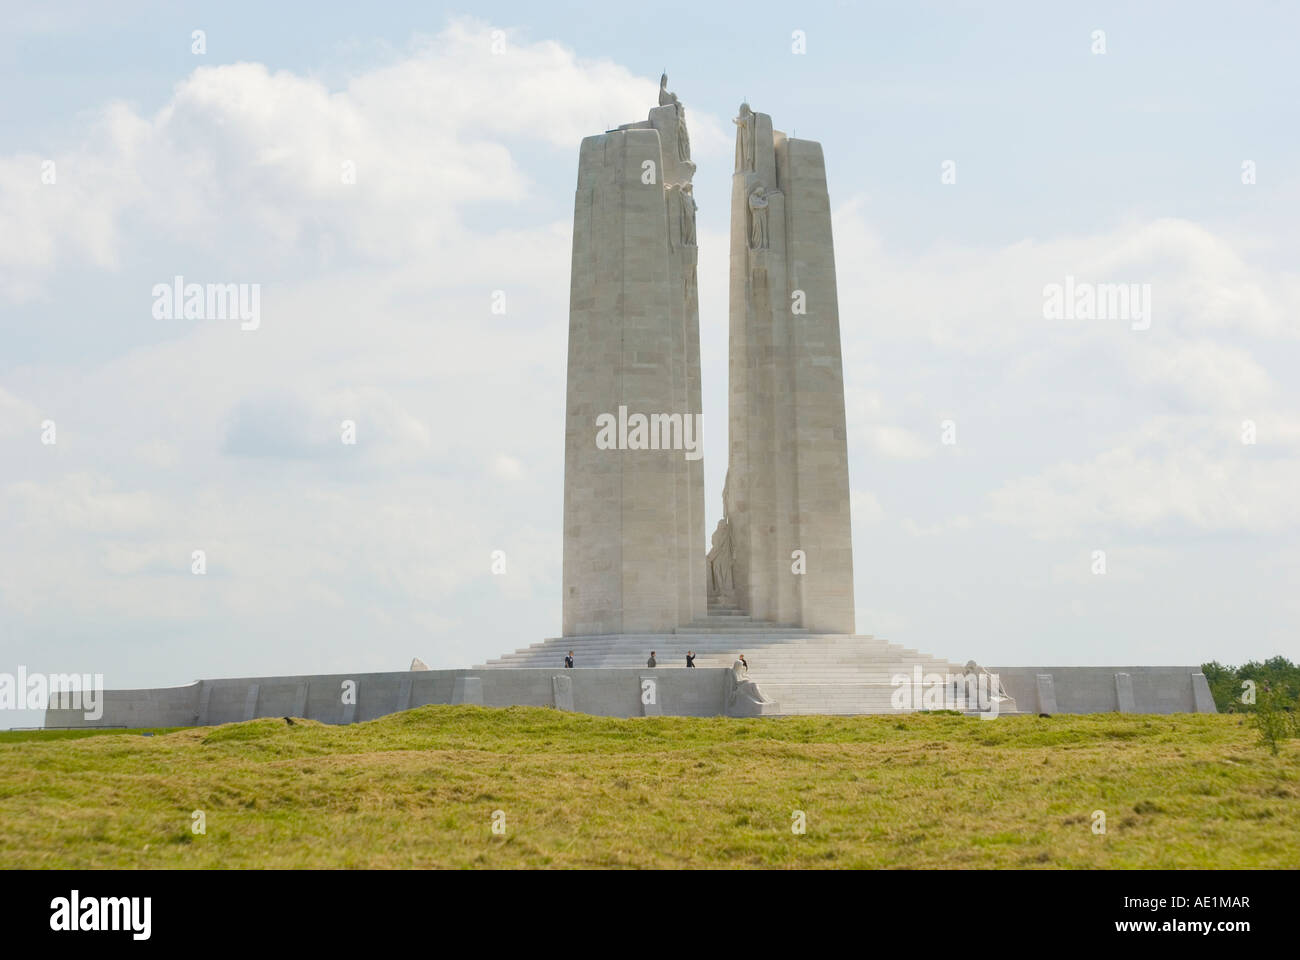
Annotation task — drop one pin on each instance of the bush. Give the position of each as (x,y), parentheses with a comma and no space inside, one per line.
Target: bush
(1226,683)
(1274,718)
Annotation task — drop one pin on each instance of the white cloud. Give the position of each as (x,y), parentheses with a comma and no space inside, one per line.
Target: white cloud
(183,435)
(248,164)
(989,300)
(1204,374)
(896,443)
(507,468)
(17,416)
(375,308)
(866,510)
(1173,476)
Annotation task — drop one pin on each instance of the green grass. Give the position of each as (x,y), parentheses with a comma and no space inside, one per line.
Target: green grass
(420,788)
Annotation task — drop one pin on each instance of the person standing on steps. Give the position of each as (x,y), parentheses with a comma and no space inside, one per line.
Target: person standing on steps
(652,662)
(743,662)
(568,661)
(690,658)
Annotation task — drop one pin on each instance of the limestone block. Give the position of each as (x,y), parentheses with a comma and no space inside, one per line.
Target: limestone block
(648,694)
(562,692)
(205,698)
(467,690)
(404,694)
(1202,699)
(350,709)
(1046,694)
(1124,693)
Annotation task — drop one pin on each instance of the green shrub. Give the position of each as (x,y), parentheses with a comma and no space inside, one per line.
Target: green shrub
(1274,717)
(1227,683)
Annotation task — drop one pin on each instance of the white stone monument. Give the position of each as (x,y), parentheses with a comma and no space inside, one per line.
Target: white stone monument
(634,560)
(778,580)
(634,517)
(786,503)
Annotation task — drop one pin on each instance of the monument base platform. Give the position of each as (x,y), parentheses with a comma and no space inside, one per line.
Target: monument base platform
(810,673)
(791,672)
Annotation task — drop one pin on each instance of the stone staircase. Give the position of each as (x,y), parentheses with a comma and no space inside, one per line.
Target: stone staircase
(806,673)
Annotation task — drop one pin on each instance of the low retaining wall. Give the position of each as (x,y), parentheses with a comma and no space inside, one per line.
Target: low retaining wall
(608,692)
(1107,689)
(346,698)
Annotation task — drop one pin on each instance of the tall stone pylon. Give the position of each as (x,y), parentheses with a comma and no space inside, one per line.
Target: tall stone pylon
(783,551)
(634,514)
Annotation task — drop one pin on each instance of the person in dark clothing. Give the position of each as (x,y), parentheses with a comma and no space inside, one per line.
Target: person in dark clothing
(652,662)
(568,661)
(690,658)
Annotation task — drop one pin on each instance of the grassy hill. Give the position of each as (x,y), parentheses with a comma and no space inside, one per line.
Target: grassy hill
(420,789)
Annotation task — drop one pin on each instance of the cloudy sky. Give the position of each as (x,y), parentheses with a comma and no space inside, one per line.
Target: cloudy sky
(127,159)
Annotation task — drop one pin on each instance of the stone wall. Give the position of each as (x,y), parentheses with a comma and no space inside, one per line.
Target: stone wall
(610,692)
(1107,689)
(603,692)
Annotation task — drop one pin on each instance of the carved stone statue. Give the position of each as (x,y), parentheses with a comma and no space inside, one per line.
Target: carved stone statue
(665,97)
(758,218)
(686,197)
(745,130)
(683,136)
(744,697)
(997,692)
(721,559)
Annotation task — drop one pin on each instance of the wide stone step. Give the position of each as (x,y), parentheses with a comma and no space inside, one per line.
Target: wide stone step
(672,659)
(883,675)
(740,631)
(639,638)
(805,673)
(763,652)
(752,654)
(767,645)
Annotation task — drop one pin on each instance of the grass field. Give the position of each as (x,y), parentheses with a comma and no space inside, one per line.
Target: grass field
(420,789)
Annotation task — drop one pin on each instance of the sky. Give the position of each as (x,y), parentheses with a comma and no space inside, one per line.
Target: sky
(1028,488)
